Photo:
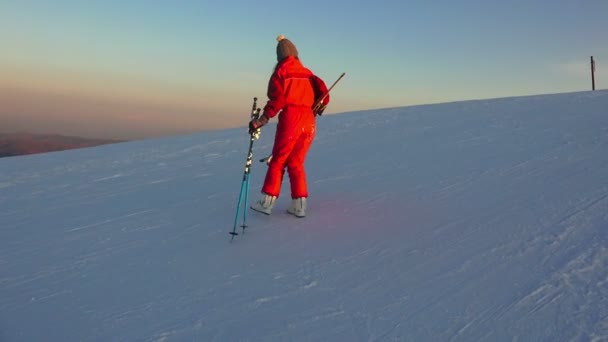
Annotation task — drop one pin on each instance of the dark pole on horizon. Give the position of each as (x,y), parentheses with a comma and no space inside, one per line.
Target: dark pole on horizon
(592,74)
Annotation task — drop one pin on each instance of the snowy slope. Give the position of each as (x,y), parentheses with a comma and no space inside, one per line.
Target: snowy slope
(480,220)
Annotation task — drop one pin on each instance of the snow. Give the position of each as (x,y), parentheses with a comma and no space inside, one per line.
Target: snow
(479,220)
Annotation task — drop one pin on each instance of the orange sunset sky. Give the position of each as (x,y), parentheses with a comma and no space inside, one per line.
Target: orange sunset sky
(138,69)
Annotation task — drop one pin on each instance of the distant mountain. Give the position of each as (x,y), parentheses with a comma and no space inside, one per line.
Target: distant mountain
(16,144)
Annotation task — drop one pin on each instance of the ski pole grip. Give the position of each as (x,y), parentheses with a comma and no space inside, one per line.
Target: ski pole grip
(255,105)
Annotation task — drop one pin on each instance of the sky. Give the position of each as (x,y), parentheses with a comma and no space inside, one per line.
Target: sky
(134,69)
(130,241)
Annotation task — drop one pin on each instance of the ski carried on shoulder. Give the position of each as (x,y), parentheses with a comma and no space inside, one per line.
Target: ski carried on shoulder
(317,105)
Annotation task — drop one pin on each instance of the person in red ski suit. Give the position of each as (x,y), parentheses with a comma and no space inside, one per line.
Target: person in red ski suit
(292,91)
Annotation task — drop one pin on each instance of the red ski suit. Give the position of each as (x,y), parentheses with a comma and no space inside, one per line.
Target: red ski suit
(292,91)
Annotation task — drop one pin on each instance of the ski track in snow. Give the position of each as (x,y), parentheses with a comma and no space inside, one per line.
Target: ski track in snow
(471,221)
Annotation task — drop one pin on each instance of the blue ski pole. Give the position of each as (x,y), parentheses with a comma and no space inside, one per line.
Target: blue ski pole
(255,113)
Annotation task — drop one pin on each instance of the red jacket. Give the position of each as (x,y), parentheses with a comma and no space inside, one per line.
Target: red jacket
(294,87)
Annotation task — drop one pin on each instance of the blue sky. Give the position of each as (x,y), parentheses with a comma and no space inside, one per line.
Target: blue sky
(204,60)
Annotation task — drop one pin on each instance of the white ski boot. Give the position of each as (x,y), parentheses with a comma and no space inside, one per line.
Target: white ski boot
(264,204)
(298,207)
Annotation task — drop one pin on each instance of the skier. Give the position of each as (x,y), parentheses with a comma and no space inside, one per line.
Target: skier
(292,91)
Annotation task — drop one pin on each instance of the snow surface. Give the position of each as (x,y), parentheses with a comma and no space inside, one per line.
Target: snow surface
(479,220)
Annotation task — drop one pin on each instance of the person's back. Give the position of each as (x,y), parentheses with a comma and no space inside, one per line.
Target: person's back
(297,86)
(298,97)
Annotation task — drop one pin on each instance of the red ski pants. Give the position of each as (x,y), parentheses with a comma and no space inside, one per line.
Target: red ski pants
(289,151)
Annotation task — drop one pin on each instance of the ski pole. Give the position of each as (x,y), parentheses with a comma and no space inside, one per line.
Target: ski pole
(255,113)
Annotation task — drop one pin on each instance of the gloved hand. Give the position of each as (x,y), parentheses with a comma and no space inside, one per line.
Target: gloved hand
(256,124)
(320,109)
